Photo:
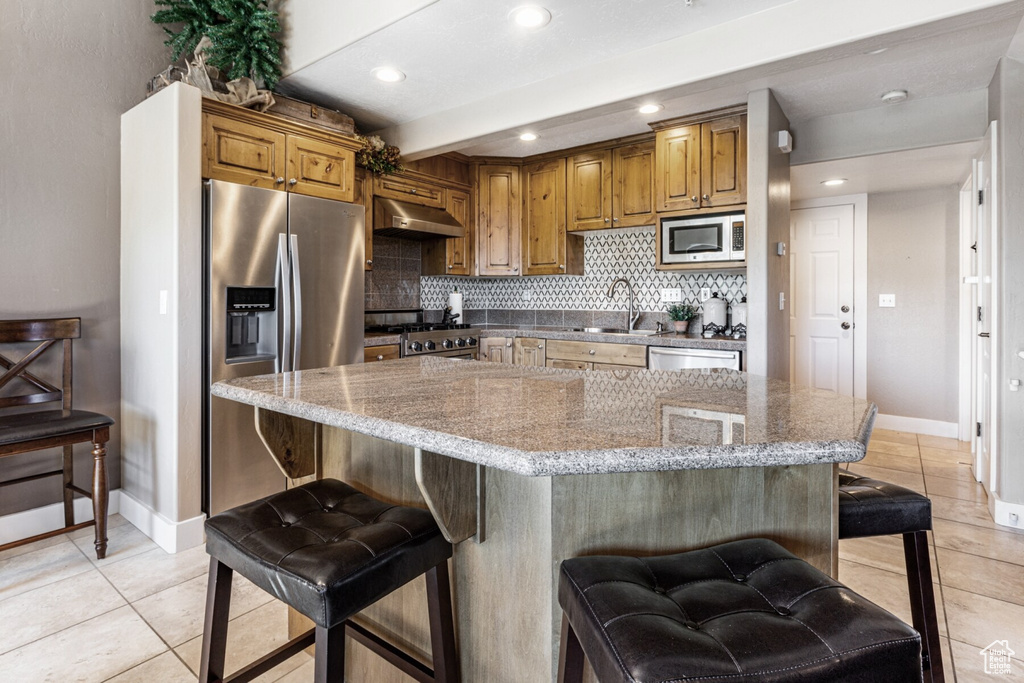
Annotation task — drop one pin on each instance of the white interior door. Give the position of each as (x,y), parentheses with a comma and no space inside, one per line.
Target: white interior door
(985,321)
(822,291)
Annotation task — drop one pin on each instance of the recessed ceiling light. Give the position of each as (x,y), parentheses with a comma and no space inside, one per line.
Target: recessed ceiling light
(388,74)
(530,16)
(528,137)
(833,182)
(651,108)
(894,96)
(877,51)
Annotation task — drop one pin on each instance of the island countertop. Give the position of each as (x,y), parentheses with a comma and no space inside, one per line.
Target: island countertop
(543,421)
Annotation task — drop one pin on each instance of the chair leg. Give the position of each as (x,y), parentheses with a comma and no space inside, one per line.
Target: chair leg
(329,655)
(69,478)
(215,625)
(570,655)
(922,603)
(442,625)
(99,494)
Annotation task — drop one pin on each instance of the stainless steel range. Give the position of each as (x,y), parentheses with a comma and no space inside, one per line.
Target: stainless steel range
(418,338)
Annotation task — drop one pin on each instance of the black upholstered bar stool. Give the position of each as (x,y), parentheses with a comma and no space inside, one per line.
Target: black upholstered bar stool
(740,612)
(328,551)
(869,507)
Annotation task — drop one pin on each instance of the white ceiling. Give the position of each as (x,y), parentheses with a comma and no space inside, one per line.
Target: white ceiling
(916,169)
(475,81)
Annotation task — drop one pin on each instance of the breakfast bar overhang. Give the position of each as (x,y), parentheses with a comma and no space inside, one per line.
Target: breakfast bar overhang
(523,467)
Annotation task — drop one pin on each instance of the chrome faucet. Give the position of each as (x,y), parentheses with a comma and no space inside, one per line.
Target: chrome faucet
(631,316)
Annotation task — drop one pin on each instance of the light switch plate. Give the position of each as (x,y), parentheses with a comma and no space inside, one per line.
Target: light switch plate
(782,301)
(887,301)
(671,295)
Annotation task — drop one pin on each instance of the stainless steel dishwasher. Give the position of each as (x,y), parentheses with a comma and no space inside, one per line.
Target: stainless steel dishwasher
(668,358)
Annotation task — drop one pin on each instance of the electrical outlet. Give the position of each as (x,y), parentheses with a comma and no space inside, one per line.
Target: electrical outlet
(887,301)
(527,295)
(705,294)
(671,295)
(782,301)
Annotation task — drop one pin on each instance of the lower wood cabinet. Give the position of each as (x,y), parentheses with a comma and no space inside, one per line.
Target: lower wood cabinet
(529,351)
(496,349)
(589,356)
(372,354)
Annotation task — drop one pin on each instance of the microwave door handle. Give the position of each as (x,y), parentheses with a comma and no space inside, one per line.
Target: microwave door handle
(297,283)
(284,300)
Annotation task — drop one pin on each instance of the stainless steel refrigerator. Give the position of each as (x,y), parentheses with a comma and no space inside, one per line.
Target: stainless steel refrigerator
(283,278)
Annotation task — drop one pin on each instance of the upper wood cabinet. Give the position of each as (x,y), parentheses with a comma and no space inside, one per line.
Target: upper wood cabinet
(409,190)
(243,146)
(702,165)
(459,250)
(612,188)
(363,195)
(546,248)
(499,204)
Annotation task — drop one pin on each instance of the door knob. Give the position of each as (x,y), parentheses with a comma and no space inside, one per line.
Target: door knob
(845,309)
(845,326)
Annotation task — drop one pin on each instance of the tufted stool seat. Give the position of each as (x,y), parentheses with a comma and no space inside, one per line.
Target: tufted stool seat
(742,611)
(869,507)
(329,551)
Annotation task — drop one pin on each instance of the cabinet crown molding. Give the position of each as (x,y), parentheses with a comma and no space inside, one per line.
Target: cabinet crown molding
(702,117)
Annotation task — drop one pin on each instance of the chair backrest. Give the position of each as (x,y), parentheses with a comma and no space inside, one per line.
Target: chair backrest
(47,333)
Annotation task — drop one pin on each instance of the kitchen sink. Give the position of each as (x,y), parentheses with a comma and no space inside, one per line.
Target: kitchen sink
(616,330)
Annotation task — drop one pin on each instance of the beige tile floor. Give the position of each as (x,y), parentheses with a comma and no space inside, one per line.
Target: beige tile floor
(137,615)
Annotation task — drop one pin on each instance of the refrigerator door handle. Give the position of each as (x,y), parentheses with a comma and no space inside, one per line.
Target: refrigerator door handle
(297,282)
(284,280)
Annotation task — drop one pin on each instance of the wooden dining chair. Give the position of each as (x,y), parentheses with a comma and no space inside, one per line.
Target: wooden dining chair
(24,429)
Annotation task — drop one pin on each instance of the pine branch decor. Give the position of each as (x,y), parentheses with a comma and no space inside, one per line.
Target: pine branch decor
(241,32)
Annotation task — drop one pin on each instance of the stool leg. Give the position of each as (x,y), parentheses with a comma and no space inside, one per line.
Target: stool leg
(442,625)
(215,627)
(922,603)
(99,494)
(329,655)
(68,467)
(570,655)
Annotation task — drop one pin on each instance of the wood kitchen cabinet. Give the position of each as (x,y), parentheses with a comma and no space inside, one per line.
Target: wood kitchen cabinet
(262,150)
(499,205)
(459,256)
(363,195)
(546,247)
(529,351)
(496,349)
(372,354)
(594,355)
(702,165)
(409,190)
(612,188)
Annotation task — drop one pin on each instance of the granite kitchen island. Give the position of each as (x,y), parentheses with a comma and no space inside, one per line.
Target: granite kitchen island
(524,466)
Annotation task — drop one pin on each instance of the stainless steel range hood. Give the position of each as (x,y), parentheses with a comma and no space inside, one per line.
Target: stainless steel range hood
(412,221)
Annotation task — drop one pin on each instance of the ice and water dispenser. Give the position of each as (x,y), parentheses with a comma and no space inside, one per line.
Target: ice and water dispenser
(251,324)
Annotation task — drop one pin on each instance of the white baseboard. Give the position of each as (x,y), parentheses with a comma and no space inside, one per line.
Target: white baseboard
(918,425)
(171,536)
(39,520)
(1002,512)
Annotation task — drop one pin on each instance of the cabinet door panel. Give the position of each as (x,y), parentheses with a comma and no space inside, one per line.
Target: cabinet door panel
(242,153)
(634,185)
(320,169)
(460,249)
(724,161)
(589,191)
(677,183)
(543,227)
(498,228)
(409,190)
(530,352)
(363,196)
(496,349)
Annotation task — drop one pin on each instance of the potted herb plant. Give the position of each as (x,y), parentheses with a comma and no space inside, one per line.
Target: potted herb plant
(681,315)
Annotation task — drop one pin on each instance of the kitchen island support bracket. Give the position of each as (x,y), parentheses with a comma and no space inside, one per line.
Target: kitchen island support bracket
(447,486)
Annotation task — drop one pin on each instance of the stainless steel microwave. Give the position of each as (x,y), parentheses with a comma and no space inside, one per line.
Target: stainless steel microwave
(699,239)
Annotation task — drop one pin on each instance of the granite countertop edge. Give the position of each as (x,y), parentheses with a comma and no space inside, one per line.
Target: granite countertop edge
(540,464)
(670,340)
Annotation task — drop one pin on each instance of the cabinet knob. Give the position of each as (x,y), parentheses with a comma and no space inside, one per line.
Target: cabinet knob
(413,190)
(705,197)
(278,180)
(369,261)
(561,267)
(293,181)
(592,352)
(540,346)
(516,269)
(615,220)
(508,345)
(379,357)
(605,220)
(694,199)
(449,266)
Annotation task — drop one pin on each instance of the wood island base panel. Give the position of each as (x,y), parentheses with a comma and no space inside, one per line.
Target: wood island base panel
(649,474)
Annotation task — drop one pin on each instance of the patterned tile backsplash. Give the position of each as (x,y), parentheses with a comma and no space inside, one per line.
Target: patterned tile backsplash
(606,256)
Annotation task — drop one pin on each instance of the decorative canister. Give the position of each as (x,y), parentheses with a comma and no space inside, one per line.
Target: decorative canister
(714,312)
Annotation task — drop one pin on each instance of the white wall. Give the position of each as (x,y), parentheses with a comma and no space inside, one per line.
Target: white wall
(912,356)
(69,70)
